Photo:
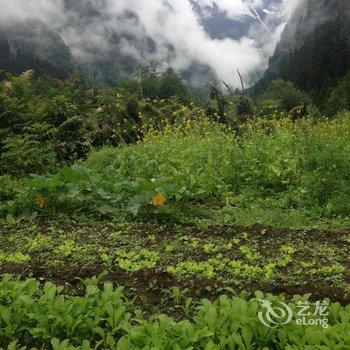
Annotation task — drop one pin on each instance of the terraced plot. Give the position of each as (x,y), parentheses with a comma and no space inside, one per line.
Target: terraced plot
(152,260)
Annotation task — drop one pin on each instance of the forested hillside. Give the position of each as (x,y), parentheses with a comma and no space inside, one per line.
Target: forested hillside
(314,51)
(33,45)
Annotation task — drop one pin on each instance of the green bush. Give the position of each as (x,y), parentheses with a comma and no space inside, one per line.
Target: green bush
(286,94)
(7,187)
(339,99)
(25,154)
(66,119)
(277,165)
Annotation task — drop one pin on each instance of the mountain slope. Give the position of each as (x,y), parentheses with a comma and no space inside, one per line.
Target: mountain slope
(32,45)
(314,51)
(219,25)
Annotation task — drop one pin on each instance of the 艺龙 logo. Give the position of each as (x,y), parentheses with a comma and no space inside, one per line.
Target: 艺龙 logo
(275,314)
(307,313)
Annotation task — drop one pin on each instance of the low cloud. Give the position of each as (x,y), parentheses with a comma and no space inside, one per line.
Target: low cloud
(173,27)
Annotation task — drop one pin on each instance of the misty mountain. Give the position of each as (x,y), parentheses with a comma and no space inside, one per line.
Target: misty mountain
(219,25)
(201,40)
(33,45)
(314,50)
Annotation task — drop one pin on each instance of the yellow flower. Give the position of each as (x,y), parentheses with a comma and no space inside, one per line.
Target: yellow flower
(41,201)
(8,85)
(159,200)
(27,75)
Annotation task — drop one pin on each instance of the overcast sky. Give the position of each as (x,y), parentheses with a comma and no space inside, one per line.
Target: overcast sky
(167,22)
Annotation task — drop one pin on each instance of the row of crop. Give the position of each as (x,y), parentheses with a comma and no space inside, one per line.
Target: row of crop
(103,318)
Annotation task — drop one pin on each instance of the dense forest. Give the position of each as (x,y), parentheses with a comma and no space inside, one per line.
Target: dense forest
(314,51)
(138,211)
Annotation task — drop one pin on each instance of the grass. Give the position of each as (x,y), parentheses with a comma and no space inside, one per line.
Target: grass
(293,218)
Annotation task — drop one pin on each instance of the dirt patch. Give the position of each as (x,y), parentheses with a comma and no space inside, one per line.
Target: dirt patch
(151,285)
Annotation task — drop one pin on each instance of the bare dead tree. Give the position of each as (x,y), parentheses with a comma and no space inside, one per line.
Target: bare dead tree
(91,74)
(241,78)
(228,87)
(139,74)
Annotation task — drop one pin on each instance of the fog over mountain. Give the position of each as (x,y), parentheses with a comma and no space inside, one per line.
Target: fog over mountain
(314,50)
(109,37)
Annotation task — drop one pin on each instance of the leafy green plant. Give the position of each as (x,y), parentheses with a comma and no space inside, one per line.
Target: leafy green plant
(103,317)
(130,260)
(7,187)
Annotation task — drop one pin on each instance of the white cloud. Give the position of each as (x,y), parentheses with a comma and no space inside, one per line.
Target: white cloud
(166,22)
